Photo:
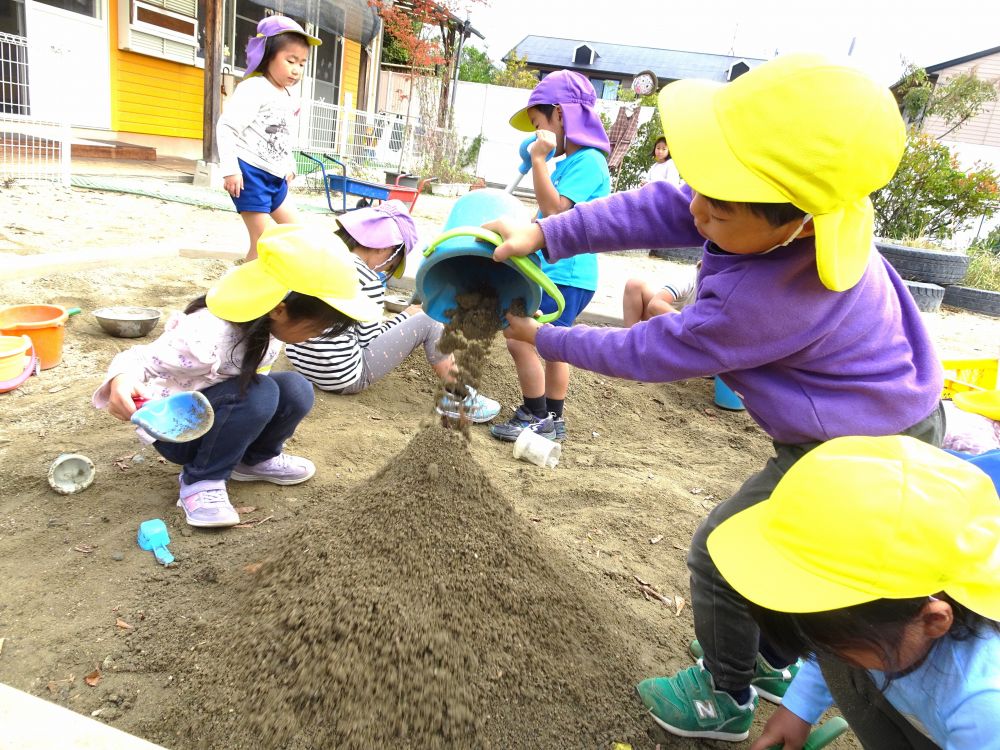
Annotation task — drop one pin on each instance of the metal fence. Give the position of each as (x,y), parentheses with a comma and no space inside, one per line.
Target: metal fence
(368,143)
(29,149)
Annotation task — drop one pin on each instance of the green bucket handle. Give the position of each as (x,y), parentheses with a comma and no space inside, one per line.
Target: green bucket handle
(823,735)
(525,266)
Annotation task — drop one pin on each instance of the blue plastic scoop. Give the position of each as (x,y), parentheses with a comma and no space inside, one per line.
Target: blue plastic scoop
(153,537)
(176,419)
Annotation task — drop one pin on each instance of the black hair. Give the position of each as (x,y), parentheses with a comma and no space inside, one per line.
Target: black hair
(274,44)
(346,238)
(877,626)
(257,333)
(545,109)
(652,151)
(776,214)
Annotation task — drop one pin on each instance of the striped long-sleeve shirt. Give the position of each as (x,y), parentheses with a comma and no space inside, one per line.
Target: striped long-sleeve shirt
(332,364)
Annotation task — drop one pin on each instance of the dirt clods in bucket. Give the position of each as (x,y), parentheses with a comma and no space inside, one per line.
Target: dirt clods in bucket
(419,611)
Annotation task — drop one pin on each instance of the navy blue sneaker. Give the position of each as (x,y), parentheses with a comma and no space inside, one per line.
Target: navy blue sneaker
(523,420)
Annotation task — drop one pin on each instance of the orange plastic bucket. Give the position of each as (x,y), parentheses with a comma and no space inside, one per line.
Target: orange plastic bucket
(13,353)
(44,324)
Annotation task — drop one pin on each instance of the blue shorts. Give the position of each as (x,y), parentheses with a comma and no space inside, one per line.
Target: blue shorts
(576,299)
(262,192)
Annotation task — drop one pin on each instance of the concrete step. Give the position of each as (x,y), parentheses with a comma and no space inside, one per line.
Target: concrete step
(99,149)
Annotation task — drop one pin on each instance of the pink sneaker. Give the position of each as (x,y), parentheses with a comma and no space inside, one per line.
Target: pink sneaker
(206,505)
(282,469)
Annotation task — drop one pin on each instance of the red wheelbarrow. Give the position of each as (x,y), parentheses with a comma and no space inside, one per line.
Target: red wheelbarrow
(368,192)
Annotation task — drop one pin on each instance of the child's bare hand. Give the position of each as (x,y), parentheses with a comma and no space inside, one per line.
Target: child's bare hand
(785,730)
(519,239)
(545,141)
(521,329)
(120,403)
(233,184)
(289,177)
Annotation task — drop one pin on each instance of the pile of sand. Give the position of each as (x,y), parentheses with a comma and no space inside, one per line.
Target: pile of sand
(419,611)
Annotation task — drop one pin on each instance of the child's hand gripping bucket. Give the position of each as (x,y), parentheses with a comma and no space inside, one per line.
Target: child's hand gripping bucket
(460,261)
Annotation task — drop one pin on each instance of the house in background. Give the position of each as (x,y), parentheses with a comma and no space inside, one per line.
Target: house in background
(133,70)
(978,137)
(613,66)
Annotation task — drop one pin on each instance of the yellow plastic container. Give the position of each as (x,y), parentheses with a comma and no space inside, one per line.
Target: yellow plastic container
(13,351)
(968,375)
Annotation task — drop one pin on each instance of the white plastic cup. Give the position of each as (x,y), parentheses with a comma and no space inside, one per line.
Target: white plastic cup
(537,449)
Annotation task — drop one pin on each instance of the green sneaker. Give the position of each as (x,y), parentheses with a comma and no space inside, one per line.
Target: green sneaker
(769,682)
(688,705)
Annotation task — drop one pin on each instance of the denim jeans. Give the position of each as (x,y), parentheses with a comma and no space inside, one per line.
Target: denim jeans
(251,428)
(722,623)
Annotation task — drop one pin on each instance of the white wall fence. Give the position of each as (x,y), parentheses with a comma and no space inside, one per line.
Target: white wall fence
(480,109)
(29,149)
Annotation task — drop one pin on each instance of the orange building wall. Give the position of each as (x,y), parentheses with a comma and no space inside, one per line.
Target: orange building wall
(351,72)
(153,96)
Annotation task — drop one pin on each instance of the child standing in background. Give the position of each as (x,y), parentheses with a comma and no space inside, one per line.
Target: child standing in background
(878,558)
(794,310)
(299,287)
(380,237)
(561,112)
(255,130)
(663,166)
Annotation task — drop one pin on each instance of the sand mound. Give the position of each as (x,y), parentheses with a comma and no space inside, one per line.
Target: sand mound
(422,612)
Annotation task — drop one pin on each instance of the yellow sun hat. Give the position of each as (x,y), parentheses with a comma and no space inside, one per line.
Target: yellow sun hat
(799,129)
(865,518)
(292,258)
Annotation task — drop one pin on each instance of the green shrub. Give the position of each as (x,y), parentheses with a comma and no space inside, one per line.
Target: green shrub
(984,263)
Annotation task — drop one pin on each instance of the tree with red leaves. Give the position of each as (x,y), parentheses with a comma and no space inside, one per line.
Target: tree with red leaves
(412,24)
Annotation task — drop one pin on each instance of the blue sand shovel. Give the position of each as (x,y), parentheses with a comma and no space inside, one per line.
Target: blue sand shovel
(176,419)
(153,537)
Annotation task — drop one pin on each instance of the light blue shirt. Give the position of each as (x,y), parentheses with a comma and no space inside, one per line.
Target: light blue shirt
(581,177)
(953,697)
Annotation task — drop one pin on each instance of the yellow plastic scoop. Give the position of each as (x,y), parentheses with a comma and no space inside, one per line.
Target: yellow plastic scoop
(986,403)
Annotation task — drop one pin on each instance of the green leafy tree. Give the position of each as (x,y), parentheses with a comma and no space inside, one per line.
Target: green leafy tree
(931,196)
(516,74)
(476,66)
(639,158)
(956,100)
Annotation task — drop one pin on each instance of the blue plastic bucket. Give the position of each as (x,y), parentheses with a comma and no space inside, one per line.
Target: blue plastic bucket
(461,261)
(726,398)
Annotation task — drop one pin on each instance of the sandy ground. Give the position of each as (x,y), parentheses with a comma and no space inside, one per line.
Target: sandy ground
(645,462)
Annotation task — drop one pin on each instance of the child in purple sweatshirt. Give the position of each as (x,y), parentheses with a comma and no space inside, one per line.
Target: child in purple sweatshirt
(794,310)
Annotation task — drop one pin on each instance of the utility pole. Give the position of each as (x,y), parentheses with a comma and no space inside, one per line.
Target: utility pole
(206,171)
(213,82)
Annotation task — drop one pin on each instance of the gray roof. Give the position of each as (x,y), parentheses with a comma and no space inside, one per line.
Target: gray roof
(625,60)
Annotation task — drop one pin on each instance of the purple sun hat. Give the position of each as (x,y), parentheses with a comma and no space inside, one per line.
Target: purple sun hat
(576,97)
(385,225)
(268,27)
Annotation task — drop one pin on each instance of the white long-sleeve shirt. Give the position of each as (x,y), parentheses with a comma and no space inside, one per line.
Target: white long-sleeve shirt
(257,125)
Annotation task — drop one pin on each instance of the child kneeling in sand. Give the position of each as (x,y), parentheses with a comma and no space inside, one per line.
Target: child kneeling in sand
(879,558)
(300,286)
(380,238)
(795,310)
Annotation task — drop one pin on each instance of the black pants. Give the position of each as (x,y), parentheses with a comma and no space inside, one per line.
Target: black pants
(722,623)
